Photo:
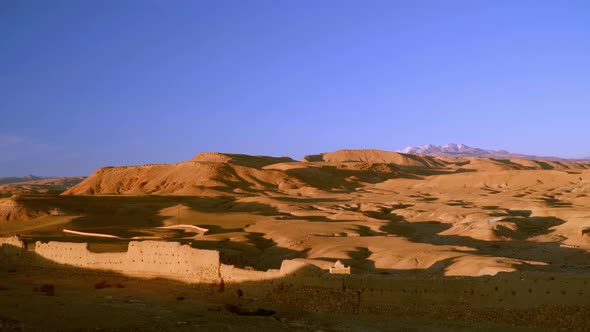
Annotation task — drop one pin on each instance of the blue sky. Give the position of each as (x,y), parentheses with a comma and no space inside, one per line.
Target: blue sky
(85,84)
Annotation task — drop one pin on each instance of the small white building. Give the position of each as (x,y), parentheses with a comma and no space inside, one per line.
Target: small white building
(339,268)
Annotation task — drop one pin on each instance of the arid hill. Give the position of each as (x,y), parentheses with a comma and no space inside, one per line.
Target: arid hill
(40,186)
(209,173)
(212,172)
(379,212)
(375,156)
(15,209)
(240,159)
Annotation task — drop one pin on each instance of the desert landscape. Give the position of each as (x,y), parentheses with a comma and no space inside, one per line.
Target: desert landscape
(32,185)
(446,242)
(290,165)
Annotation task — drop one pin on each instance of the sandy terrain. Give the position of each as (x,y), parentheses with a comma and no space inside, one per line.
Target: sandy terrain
(421,220)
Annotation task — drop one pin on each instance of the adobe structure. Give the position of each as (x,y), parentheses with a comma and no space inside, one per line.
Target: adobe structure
(339,268)
(170,260)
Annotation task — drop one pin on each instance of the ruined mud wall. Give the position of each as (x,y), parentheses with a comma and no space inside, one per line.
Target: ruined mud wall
(164,259)
(292,269)
(78,255)
(11,248)
(148,258)
(170,260)
(173,258)
(12,242)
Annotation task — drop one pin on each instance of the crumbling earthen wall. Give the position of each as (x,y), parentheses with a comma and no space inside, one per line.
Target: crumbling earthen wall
(159,259)
(148,258)
(173,258)
(78,255)
(11,247)
(11,241)
(289,269)
(232,274)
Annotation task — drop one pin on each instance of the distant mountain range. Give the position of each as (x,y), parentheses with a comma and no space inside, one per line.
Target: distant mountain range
(462,150)
(37,185)
(15,179)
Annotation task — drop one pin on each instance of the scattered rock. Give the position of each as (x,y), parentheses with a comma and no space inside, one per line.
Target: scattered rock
(102,284)
(48,289)
(234,309)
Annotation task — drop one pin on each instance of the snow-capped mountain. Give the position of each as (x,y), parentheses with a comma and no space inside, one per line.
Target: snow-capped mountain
(462,150)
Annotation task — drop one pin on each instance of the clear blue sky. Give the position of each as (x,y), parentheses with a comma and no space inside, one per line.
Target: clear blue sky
(85,84)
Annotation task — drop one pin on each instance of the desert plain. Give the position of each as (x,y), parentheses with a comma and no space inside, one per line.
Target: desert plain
(432,242)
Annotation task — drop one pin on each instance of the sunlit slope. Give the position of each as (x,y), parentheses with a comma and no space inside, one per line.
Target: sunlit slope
(375,211)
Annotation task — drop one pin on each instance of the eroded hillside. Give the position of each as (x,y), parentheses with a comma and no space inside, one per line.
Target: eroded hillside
(380,212)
